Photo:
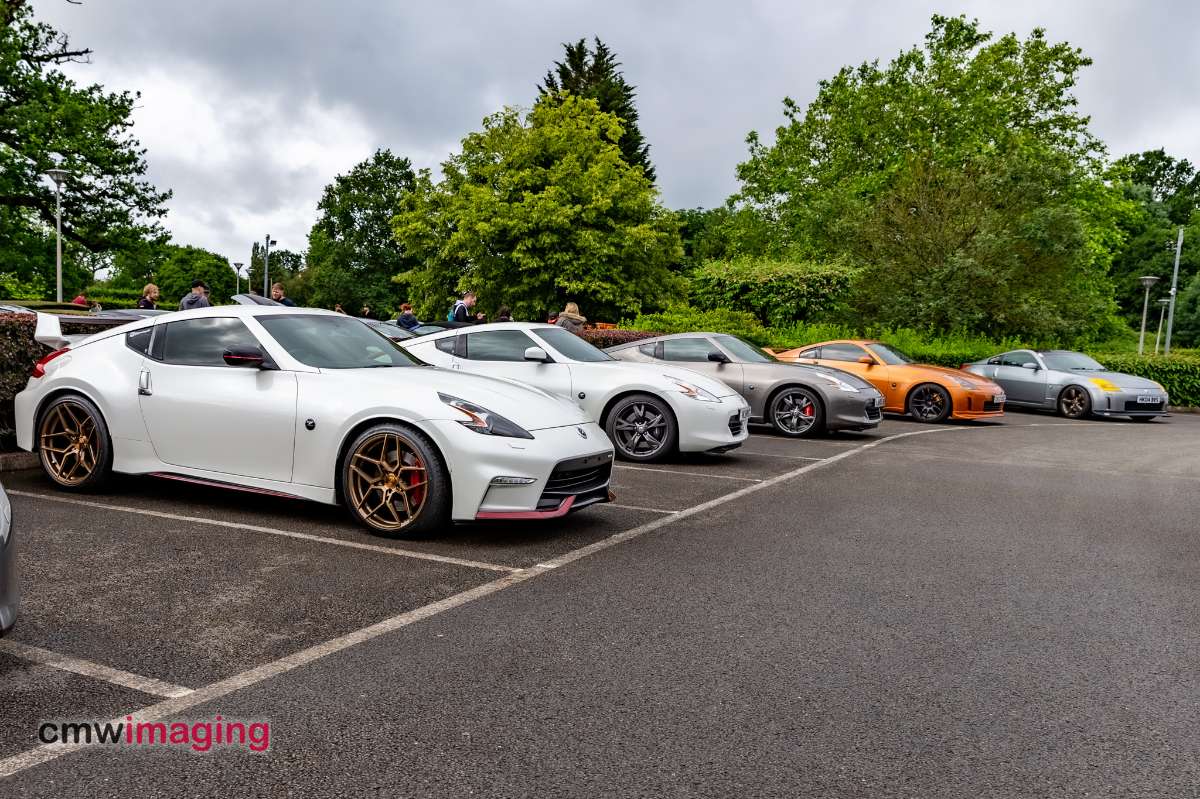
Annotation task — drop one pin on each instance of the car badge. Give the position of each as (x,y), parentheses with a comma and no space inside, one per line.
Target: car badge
(582,433)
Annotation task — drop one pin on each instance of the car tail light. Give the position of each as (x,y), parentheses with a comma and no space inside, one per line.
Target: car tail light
(39,368)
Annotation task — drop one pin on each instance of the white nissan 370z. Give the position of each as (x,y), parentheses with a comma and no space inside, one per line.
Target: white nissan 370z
(308,404)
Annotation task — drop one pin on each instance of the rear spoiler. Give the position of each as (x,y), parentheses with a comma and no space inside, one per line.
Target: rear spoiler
(49,331)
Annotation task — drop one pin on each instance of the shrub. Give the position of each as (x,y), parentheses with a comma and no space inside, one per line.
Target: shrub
(18,353)
(777,293)
(611,337)
(1178,374)
(684,319)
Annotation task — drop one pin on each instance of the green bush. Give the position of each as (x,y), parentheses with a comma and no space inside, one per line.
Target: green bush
(684,319)
(777,293)
(18,353)
(110,298)
(1178,374)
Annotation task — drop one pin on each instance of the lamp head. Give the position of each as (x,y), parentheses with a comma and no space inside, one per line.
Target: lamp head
(57,175)
(1148,280)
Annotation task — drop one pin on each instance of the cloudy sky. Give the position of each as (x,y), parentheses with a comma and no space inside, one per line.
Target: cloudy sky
(249,107)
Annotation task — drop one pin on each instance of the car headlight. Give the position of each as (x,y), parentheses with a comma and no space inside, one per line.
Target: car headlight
(483,421)
(1105,385)
(966,382)
(695,392)
(838,383)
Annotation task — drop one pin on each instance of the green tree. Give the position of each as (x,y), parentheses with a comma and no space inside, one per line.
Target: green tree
(285,265)
(537,210)
(1173,183)
(47,121)
(184,264)
(352,252)
(596,74)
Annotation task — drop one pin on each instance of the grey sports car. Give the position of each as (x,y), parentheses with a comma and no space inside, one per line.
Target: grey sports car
(796,399)
(1071,383)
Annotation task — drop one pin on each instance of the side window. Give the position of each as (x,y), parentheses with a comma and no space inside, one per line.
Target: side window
(139,340)
(648,349)
(842,352)
(1015,358)
(201,342)
(814,353)
(446,344)
(692,350)
(498,345)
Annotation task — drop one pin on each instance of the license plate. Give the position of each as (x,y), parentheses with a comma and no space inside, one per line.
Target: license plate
(999,398)
(744,414)
(877,402)
(1149,399)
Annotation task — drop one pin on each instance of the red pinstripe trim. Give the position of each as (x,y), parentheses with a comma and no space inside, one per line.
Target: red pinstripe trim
(561,510)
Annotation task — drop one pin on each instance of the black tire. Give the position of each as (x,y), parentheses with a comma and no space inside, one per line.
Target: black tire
(72,440)
(1074,402)
(930,403)
(796,412)
(394,482)
(642,428)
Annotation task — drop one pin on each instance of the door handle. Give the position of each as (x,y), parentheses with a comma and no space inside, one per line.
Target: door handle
(144,389)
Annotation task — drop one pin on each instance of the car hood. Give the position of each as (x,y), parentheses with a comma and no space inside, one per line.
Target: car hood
(531,408)
(840,374)
(1119,378)
(651,373)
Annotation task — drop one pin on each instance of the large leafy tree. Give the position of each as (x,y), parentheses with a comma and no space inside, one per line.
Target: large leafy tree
(182,265)
(352,252)
(907,167)
(539,209)
(596,74)
(48,121)
(286,266)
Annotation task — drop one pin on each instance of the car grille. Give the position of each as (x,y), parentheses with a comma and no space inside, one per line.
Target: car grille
(586,479)
(736,424)
(992,405)
(1134,405)
(874,413)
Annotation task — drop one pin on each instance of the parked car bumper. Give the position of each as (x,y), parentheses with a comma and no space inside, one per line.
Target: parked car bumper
(709,426)
(861,411)
(9,599)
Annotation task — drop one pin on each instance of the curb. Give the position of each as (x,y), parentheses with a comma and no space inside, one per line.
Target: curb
(18,461)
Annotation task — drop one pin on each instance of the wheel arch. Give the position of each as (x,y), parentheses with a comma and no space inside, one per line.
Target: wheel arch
(64,391)
(775,392)
(631,392)
(364,424)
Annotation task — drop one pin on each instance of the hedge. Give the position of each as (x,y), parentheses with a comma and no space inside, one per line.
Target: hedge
(775,292)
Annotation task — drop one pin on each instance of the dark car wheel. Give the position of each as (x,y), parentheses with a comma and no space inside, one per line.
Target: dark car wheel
(394,482)
(73,443)
(1075,402)
(642,428)
(929,403)
(796,412)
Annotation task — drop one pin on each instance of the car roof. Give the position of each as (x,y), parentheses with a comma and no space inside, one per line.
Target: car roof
(489,326)
(669,337)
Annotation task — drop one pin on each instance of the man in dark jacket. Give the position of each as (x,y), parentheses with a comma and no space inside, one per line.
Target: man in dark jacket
(461,312)
(278,294)
(196,298)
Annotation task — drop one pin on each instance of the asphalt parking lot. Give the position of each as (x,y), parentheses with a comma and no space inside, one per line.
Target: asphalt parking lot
(992,609)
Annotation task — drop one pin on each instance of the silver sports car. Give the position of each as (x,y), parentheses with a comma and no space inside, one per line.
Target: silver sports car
(796,399)
(1071,383)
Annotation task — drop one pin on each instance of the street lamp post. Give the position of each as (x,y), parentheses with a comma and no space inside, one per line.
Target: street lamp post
(1162,309)
(267,265)
(1174,284)
(58,176)
(237,270)
(1147,281)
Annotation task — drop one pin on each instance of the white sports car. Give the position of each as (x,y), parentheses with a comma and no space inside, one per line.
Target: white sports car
(648,410)
(309,404)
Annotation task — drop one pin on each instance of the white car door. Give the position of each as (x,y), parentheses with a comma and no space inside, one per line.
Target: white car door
(204,414)
(501,353)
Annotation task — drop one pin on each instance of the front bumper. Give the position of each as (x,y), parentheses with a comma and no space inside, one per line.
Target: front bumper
(711,426)
(861,411)
(474,460)
(976,404)
(1125,403)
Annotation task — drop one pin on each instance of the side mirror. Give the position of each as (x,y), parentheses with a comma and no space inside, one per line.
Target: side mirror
(867,359)
(718,357)
(251,357)
(1030,365)
(537,354)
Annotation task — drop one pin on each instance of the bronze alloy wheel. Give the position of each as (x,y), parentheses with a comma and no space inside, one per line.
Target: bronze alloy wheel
(387,481)
(929,403)
(1074,402)
(71,443)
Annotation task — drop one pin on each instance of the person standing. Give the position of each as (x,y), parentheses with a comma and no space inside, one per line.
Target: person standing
(81,299)
(149,300)
(407,319)
(365,313)
(571,319)
(504,314)
(461,312)
(337,308)
(196,298)
(278,294)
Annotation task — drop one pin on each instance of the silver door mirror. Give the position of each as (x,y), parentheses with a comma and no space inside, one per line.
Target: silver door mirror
(537,354)
(1030,365)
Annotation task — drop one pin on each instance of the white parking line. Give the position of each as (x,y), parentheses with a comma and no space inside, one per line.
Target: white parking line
(636,507)
(147,685)
(254,528)
(171,708)
(686,474)
(776,455)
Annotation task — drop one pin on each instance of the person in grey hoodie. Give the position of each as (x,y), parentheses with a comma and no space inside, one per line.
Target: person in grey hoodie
(196,298)
(571,318)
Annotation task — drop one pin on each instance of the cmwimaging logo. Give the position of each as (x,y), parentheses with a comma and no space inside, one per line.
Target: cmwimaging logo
(199,736)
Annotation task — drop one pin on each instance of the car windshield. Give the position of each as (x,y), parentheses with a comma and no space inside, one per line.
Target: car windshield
(1071,362)
(743,350)
(333,342)
(889,355)
(394,331)
(570,344)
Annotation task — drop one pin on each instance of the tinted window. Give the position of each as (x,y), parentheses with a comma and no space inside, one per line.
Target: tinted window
(446,344)
(648,349)
(201,342)
(1071,361)
(746,352)
(333,342)
(889,355)
(842,352)
(140,340)
(692,350)
(1016,358)
(498,345)
(815,352)
(392,331)
(571,345)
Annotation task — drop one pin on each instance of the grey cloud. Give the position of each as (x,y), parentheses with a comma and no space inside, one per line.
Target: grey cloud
(417,77)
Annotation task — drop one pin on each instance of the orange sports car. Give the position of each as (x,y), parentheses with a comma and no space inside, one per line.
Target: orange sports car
(928,393)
